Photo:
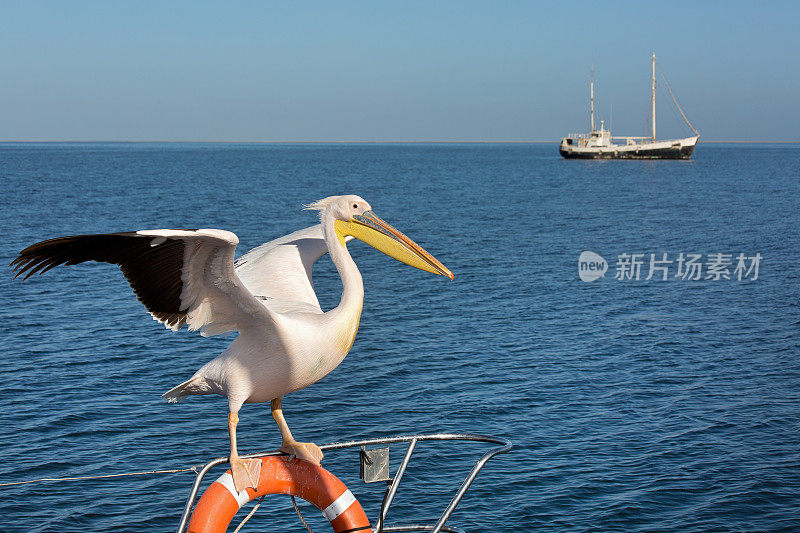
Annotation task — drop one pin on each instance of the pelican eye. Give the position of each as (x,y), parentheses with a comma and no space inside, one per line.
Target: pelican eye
(355,206)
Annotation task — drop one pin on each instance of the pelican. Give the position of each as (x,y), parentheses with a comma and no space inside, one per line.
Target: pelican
(285,341)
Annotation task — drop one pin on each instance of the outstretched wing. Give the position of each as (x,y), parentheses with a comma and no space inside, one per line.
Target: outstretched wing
(279,271)
(183,277)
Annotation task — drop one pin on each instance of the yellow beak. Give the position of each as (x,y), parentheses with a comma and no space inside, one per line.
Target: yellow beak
(368,227)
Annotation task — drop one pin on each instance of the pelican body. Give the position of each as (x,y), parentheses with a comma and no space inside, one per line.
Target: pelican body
(285,341)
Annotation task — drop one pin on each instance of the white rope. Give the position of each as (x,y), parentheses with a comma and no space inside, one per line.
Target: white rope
(255,508)
(246,518)
(105,476)
(303,520)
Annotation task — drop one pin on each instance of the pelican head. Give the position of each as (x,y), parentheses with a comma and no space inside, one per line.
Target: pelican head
(353,217)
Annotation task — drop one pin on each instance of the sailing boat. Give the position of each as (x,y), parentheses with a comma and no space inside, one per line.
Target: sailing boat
(599,144)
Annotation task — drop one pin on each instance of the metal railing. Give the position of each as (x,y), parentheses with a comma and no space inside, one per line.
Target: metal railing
(504,445)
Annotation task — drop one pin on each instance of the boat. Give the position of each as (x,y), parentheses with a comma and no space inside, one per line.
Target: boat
(600,144)
(220,502)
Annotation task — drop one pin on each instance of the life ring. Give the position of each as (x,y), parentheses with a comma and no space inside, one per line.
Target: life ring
(279,475)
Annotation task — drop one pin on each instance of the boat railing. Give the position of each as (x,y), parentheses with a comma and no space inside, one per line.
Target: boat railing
(632,138)
(392,483)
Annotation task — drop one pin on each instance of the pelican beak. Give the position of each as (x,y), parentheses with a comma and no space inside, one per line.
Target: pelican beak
(368,227)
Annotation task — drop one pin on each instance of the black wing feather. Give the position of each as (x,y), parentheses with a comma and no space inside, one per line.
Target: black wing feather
(153,271)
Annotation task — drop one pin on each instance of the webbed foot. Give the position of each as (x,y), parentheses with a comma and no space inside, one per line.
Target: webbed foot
(307,451)
(245,472)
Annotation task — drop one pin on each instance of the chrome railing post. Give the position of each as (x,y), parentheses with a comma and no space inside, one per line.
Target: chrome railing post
(467,482)
(196,487)
(393,489)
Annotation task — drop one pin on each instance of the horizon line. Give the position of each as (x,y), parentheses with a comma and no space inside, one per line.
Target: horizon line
(161,141)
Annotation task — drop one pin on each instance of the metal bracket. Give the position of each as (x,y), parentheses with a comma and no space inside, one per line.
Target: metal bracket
(374,464)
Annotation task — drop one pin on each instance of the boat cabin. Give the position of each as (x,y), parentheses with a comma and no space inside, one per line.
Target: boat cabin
(595,139)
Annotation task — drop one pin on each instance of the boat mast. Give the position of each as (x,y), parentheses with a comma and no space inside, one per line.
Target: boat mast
(591,100)
(653,98)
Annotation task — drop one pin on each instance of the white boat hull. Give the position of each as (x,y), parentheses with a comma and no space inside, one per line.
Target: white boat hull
(669,149)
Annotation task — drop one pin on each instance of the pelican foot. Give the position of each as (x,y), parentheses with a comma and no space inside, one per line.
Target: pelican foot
(307,451)
(245,473)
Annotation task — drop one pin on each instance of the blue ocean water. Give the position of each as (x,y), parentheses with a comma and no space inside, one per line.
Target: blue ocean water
(634,405)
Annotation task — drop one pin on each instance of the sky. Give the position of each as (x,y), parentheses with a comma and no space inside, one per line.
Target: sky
(393,71)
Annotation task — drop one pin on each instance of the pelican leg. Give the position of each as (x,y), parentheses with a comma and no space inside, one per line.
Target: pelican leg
(307,451)
(245,472)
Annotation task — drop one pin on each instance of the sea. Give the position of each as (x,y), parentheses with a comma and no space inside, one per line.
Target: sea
(652,386)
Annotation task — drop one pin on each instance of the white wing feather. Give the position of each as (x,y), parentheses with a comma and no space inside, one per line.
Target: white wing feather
(279,272)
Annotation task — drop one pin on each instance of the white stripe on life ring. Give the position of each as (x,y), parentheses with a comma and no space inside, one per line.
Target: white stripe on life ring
(339,506)
(226,480)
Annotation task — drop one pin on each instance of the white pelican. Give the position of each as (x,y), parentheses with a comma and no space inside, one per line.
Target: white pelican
(285,341)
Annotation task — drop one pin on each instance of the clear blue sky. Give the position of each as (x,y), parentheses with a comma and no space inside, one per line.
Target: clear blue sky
(391,71)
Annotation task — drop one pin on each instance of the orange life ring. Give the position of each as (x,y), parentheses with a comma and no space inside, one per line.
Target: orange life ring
(279,475)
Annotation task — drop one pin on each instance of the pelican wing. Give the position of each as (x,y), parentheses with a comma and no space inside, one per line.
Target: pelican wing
(183,277)
(279,272)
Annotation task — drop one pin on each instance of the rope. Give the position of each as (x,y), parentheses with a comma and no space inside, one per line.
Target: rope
(246,518)
(303,520)
(253,511)
(676,101)
(105,476)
